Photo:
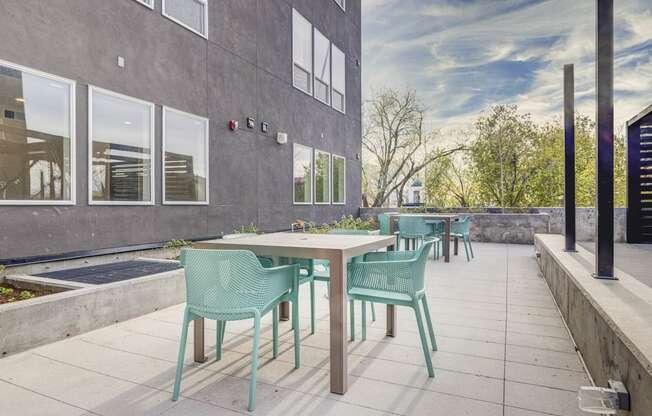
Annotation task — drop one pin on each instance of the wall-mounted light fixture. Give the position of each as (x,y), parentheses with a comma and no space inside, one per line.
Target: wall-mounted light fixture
(251,122)
(233,125)
(264,127)
(281,138)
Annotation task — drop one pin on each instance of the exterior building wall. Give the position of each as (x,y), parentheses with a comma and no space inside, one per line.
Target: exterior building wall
(243,69)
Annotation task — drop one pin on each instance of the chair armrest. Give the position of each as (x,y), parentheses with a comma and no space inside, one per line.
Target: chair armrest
(390,256)
(282,279)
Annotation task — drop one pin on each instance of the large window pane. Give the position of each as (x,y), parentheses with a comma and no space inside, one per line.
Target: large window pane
(302,174)
(339,80)
(185,166)
(189,13)
(302,52)
(322,67)
(339,180)
(122,134)
(35,137)
(322,177)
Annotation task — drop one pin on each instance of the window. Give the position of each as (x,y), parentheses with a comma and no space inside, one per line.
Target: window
(148,3)
(322,67)
(121,144)
(191,14)
(339,80)
(339,180)
(301,52)
(322,177)
(37,137)
(302,174)
(341,3)
(185,158)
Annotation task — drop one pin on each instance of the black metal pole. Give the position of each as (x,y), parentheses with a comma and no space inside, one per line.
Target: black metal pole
(604,238)
(569,155)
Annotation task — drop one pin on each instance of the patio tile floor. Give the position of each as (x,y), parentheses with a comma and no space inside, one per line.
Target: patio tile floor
(503,350)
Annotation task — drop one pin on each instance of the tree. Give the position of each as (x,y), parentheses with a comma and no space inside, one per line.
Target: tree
(396,146)
(501,156)
(449,182)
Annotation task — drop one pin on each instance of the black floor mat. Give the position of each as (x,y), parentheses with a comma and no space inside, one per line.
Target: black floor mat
(112,272)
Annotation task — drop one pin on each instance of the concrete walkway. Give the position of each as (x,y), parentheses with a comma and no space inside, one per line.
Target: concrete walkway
(503,350)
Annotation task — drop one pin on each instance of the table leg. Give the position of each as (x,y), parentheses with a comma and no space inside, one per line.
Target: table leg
(447,241)
(457,246)
(391,314)
(200,356)
(338,339)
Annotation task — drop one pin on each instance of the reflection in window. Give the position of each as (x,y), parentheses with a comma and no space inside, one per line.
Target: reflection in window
(339,80)
(185,147)
(322,67)
(302,52)
(122,135)
(302,174)
(339,180)
(192,14)
(35,137)
(322,177)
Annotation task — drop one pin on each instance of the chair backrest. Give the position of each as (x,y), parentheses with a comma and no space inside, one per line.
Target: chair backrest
(222,281)
(462,226)
(413,226)
(383,222)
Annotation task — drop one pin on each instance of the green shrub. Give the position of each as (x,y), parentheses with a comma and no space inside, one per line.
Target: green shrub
(6,291)
(25,294)
(347,222)
(247,229)
(177,244)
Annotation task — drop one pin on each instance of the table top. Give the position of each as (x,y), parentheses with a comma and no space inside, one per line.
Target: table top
(305,245)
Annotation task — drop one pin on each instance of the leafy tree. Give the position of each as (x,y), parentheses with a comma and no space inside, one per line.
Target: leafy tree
(449,182)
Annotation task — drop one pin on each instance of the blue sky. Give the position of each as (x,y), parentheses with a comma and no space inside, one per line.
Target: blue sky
(462,56)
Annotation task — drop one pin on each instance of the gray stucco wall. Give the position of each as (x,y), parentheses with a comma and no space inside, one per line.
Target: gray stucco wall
(243,69)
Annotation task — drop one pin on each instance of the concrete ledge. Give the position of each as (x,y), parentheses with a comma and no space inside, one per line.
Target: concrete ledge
(611,321)
(30,323)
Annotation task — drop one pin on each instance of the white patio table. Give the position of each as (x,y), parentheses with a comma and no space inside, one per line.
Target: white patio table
(335,248)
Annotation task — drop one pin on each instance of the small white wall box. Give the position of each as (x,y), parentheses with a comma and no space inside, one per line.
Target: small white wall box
(281,138)
(121,62)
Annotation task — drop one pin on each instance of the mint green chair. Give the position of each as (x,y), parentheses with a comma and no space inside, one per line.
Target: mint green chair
(384,224)
(439,231)
(395,278)
(462,229)
(231,285)
(417,230)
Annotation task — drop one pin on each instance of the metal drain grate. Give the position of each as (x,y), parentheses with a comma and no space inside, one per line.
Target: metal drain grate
(112,272)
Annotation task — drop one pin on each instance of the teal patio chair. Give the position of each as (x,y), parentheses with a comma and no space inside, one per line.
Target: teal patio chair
(395,278)
(385,227)
(439,231)
(415,229)
(231,285)
(462,229)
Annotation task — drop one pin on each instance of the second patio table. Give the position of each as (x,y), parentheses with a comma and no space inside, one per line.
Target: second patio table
(447,218)
(335,248)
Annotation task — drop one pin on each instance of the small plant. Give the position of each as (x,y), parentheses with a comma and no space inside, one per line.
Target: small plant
(347,222)
(6,291)
(247,229)
(176,244)
(25,294)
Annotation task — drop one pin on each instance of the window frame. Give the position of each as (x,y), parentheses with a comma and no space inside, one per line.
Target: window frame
(152,107)
(312,174)
(341,6)
(311,73)
(72,85)
(186,26)
(330,176)
(144,3)
(164,110)
(330,68)
(333,157)
(343,111)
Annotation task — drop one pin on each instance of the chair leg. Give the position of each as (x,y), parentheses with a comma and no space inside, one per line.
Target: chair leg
(373,312)
(466,249)
(352,318)
(297,332)
(431,331)
(254,364)
(312,307)
(275,331)
(424,342)
(470,246)
(182,354)
(364,320)
(219,340)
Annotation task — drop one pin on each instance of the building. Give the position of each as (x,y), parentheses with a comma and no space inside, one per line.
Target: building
(182,104)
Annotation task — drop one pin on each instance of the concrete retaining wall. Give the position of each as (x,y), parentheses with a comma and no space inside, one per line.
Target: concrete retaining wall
(30,323)
(516,225)
(610,320)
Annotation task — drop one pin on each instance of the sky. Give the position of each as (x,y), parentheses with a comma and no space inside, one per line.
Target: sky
(462,56)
